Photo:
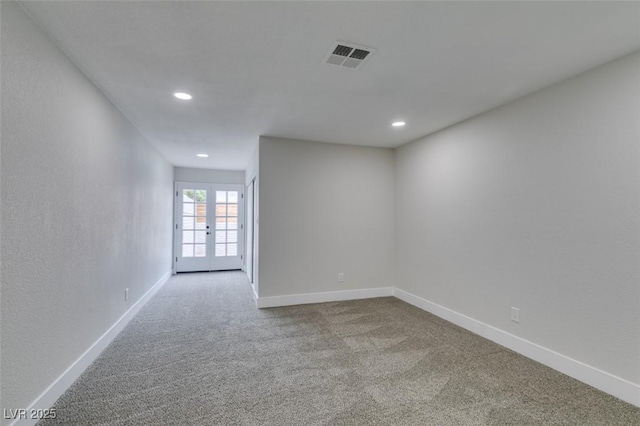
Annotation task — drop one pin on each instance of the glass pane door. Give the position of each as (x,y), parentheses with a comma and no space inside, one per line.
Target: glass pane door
(193,233)
(229,227)
(226,223)
(208,227)
(194,223)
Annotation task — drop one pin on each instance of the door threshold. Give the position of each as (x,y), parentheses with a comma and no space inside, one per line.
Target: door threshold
(216,270)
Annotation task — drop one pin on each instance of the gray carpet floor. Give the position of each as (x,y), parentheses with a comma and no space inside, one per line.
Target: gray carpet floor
(200,353)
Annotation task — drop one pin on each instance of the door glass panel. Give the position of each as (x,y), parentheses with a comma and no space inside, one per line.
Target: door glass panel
(187,222)
(201,250)
(227,211)
(188,195)
(194,212)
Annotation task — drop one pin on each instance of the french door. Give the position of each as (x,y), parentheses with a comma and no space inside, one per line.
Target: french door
(209,227)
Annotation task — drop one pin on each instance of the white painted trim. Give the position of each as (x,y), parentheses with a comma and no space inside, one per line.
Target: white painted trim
(613,385)
(254,293)
(174,229)
(66,379)
(329,296)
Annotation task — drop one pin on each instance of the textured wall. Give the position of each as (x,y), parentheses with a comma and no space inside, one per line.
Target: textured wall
(324,209)
(86,212)
(187,174)
(535,205)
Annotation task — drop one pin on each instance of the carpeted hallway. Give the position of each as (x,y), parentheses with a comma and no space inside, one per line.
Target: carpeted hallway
(200,353)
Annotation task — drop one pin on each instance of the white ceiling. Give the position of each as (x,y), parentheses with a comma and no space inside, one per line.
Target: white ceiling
(254,68)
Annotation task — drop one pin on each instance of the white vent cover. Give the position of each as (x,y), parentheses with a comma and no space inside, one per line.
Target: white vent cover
(348,55)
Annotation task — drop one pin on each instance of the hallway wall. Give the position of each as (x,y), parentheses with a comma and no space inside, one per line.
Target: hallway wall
(86,212)
(325,209)
(535,205)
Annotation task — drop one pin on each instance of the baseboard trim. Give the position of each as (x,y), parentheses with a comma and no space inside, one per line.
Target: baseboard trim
(329,296)
(66,379)
(255,295)
(613,385)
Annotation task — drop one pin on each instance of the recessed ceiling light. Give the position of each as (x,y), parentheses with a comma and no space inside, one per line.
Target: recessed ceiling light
(202,155)
(398,123)
(183,96)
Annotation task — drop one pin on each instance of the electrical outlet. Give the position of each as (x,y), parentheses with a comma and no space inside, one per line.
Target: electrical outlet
(515,314)
(341,277)
(126,294)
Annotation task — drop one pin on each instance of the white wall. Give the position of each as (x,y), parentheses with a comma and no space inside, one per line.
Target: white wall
(535,205)
(324,209)
(187,174)
(86,212)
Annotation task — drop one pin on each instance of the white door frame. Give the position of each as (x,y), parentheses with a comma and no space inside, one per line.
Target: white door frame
(249,219)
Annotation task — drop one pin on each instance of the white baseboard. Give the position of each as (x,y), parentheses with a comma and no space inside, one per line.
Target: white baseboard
(329,296)
(66,379)
(255,295)
(616,386)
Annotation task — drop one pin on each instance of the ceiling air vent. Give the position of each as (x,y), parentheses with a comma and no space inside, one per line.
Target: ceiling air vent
(348,55)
